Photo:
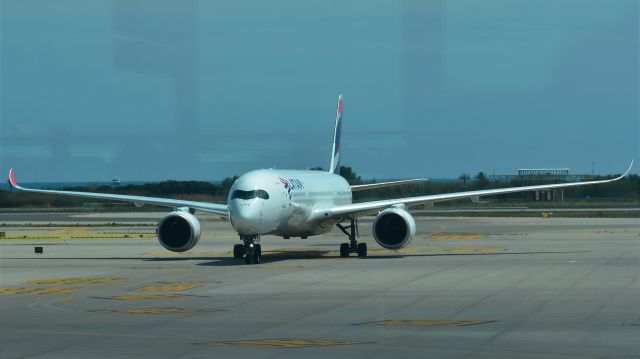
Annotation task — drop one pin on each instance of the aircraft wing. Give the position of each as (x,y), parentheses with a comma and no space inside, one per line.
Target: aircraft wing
(362,187)
(366,208)
(221,209)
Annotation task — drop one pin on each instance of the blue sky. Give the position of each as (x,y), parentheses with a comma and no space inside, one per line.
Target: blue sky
(159,89)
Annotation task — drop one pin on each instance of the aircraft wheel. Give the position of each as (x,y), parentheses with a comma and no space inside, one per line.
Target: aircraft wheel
(248,258)
(344,250)
(257,256)
(362,249)
(238,251)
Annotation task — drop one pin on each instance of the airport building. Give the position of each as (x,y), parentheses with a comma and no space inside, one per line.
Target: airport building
(543,172)
(540,176)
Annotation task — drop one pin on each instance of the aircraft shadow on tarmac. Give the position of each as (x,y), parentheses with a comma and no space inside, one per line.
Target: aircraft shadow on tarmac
(275,257)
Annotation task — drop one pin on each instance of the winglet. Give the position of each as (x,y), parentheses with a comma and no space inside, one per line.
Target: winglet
(623,175)
(628,170)
(12,179)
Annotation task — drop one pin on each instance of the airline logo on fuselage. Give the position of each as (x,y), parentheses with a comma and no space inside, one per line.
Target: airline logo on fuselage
(291,184)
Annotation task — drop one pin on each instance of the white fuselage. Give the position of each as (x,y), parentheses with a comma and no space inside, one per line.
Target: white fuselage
(281,202)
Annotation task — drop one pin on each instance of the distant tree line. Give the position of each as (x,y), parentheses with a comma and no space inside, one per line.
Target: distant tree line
(191,190)
(165,188)
(626,189)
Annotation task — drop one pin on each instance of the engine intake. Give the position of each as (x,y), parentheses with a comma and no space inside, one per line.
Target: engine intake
(394,228)
(179,231)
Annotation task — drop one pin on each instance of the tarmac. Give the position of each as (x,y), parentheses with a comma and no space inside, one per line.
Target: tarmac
(464,288)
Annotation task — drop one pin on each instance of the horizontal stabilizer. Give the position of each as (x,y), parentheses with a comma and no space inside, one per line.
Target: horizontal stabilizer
(362,187)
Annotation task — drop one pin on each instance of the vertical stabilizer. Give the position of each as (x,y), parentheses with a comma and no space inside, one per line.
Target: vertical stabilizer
(335,154)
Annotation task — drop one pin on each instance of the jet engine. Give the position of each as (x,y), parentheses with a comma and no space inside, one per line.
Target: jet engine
(394,228)
(179,231)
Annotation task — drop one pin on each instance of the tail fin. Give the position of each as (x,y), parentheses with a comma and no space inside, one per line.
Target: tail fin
(335,154)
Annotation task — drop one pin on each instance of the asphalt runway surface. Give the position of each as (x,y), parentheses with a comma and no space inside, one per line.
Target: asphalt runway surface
(464,288)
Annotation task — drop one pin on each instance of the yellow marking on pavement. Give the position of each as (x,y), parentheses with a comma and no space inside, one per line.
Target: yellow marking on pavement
(166,288)
(72,229)
(73,281)
(66,298)
(157,310)
(55,290)
(470,249)
(189,282)
(148,296)
(433,351)
(455,236)
(30,236)
(283,343)
(431,323)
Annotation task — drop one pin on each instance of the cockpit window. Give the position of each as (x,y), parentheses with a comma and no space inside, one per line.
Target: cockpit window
(259,193)
(262,194)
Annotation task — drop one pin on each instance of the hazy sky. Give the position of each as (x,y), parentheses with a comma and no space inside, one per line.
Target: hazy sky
(186,89)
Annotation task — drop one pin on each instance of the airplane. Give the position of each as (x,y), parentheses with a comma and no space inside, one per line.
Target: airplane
(299,203)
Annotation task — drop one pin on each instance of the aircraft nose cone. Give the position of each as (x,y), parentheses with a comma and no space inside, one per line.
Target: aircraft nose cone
(244,219)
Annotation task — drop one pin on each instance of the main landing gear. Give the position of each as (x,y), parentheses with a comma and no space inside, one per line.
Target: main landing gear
(353,246)
(250,250)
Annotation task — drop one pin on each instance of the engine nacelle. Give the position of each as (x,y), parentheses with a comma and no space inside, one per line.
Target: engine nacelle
(179,231)
(394,228)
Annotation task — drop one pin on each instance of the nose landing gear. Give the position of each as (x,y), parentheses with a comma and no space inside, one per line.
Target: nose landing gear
(353,246)
(250,250)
